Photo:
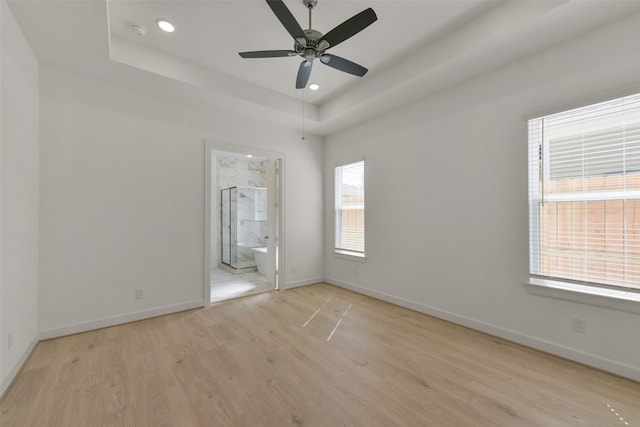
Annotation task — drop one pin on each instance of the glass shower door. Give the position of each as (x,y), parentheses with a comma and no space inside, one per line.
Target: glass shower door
(226,227)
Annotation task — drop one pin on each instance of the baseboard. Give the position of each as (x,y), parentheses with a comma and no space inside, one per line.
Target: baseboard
(118,320)
(6,383)
(563,351)
(299,283)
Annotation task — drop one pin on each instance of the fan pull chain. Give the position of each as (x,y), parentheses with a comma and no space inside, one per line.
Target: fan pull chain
(303,90)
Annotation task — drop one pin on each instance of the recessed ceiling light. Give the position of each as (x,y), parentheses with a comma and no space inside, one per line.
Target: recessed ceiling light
(249,155)
(314,86)
(165,25)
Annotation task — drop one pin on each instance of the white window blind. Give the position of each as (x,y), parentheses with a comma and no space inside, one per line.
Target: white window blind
(584,194)
(349,205)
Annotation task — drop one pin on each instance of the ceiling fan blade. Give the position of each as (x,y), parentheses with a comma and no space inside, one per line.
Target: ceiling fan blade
(350,27)
(304,71)
(268,53)
(288,21)
(343,65)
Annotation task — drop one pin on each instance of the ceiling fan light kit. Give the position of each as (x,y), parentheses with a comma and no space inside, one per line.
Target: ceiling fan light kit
(311,44)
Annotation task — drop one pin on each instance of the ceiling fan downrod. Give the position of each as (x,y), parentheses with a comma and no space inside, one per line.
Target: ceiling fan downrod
(310,4)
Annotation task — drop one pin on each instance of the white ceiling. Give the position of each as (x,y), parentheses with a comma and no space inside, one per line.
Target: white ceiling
(415,48)
(211,33)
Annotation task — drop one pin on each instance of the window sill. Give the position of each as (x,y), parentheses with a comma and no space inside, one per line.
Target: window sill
(351,256)
(602,297)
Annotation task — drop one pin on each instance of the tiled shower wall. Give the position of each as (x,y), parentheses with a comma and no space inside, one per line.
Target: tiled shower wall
(234,172)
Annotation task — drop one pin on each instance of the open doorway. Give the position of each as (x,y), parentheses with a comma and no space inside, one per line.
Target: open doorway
(243,217)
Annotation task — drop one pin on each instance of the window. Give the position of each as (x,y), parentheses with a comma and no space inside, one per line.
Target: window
(584,195)
(349,204)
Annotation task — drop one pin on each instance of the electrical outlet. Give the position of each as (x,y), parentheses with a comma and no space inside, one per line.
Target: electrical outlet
(355,272)
(139,294)
(578,325)
(293,269)
(10,340)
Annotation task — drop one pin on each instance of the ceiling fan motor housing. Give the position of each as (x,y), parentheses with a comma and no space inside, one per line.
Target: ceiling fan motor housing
(312,49)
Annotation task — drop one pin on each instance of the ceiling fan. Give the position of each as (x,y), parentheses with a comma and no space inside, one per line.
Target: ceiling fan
(311,44)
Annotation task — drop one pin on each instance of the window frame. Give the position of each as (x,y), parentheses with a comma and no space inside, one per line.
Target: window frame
(347,253)
(593,293)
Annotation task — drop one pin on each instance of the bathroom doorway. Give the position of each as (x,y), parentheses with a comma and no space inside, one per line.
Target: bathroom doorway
(243,221)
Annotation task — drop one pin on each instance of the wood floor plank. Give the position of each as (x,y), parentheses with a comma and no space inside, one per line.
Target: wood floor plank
(312,356)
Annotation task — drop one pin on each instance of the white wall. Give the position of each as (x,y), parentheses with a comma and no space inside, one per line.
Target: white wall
(447,208)
(18,198)
(122,200)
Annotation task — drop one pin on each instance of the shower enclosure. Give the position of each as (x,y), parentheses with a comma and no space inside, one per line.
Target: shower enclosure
(244,225)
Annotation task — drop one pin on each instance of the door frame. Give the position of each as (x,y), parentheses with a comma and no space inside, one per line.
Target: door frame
(210,146)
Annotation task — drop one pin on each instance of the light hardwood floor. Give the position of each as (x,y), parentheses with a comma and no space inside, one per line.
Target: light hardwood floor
(312,356)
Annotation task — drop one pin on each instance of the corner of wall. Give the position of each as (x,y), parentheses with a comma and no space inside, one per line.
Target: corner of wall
(19,199)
